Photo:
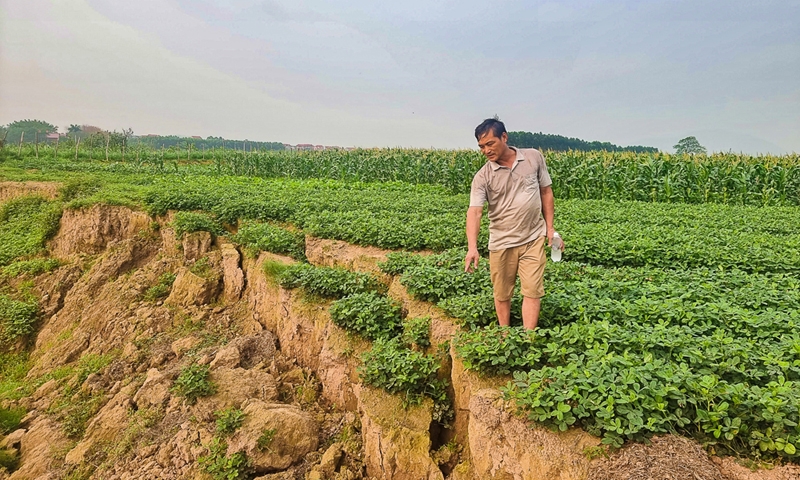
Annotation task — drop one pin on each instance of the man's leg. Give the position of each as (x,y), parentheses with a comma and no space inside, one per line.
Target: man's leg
(531,277)
(530,312)
(503,309)
(503,268)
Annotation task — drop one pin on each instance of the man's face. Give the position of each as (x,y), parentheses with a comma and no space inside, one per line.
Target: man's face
(492,147)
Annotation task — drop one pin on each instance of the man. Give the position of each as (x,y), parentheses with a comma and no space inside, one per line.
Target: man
(516,185)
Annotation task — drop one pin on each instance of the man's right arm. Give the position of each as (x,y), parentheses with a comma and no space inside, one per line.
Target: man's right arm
(474,215)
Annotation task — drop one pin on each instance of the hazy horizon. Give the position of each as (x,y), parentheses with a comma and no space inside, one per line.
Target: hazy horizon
(416,74)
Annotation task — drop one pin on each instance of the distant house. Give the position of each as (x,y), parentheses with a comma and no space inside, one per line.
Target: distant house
(304,146)
(53,136)
(318,148)
(196,137)
(287,146)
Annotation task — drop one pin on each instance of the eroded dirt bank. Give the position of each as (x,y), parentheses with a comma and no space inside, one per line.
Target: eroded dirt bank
(102,401)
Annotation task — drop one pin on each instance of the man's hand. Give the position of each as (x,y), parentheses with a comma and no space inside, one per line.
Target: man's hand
(550,233)
(471,260)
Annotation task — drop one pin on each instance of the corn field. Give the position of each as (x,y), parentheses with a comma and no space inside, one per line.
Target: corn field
(725,178)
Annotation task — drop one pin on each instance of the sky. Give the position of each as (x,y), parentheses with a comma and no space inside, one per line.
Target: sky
(412,73)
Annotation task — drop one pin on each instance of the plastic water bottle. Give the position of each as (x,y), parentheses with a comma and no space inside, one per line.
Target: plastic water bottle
(557,247)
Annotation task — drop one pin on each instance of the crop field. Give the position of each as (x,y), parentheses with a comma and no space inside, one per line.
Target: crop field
(677,308)
(725,178)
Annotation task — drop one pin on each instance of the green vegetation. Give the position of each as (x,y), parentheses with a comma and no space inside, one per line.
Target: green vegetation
(220,466)
(27,130)
(497,350)
(74,406)
(258,236)
(10,418)
(75,413)
(8,460)
(416,217)
(32,267)
(417,331)
(190,222)
(13,369)
(160,289)
(371,315)
(193,383)
(329,282)
(274,270)
(397,369)
(202,268)
(675,310)
(689,146)
(602,175)
(75,188)
(229,420)
(177,144)
(25,224)
(16,317)
(364,310)
(559,143)
(629,352)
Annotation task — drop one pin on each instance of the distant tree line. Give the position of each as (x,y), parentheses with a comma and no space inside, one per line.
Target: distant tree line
(30,131)
(208,143)
(547,141)
(26,130)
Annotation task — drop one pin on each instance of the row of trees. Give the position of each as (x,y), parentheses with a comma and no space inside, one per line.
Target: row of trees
(547,141)
(30,131)
(207,143)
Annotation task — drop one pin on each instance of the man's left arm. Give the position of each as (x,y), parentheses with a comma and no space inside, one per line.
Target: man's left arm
(548,211)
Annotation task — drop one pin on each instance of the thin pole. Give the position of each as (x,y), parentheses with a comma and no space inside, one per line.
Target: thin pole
(77,142)
(19,150)
(37,145)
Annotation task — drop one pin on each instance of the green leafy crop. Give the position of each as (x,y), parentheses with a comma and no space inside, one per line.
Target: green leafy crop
(417,331)
(395,368)
(497,350)
(189,222)
(258,236)
(369,314)
(329,282)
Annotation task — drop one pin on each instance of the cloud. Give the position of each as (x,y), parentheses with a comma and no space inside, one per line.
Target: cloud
(418,73)
(118,77)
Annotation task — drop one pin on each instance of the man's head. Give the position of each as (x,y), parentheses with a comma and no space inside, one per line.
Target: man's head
(492,139)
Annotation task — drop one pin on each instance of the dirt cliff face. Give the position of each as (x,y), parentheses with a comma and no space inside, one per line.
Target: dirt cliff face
(102,400)
(160,357)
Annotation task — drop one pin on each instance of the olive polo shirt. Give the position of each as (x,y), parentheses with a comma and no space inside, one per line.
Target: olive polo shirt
(514,197)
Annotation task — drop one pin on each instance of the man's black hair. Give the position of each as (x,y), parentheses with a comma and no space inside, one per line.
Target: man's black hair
(494,124)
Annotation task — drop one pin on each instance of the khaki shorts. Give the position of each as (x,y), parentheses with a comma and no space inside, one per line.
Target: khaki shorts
(529,260)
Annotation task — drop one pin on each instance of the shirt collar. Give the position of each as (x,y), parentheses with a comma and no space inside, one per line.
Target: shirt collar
(520,157)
